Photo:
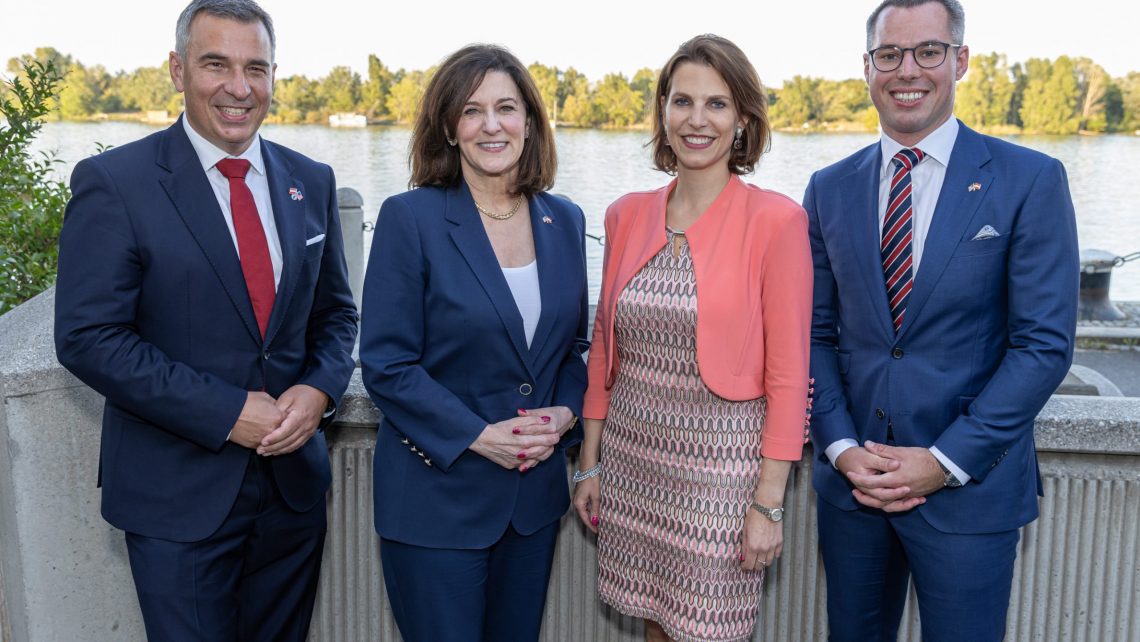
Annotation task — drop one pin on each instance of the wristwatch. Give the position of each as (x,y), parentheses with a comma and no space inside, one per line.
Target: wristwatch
(948,478)
(774,514)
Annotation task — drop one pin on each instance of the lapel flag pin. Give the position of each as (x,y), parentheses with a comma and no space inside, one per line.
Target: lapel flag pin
(295,194)
(547,220)
(974,187)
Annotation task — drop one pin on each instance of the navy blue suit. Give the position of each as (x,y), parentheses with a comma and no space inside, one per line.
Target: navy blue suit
(987,337)
(443,354)
(153,313)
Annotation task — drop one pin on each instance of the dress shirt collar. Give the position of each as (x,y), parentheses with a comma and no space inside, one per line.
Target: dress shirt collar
(209,154)
(937,145)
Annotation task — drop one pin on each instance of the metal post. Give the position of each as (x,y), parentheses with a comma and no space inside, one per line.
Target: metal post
(351,206)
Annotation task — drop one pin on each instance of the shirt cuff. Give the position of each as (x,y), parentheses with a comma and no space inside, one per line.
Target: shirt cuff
(958,473)
(837,448)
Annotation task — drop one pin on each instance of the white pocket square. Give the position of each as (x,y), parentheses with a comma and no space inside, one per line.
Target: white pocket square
(316,239)
(987,232)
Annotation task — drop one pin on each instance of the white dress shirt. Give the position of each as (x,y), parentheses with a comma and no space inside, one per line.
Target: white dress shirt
(208,156)
(926,184)
(523,282)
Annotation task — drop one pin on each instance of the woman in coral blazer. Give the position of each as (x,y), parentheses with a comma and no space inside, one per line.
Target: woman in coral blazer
(698,372)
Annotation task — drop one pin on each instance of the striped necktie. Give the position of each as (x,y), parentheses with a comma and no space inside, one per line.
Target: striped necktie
(898,235)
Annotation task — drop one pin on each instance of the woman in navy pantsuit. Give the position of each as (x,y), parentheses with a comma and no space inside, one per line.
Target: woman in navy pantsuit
(473,331)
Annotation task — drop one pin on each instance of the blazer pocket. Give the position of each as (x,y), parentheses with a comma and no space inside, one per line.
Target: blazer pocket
(314,248)
(981,247)
(844,362)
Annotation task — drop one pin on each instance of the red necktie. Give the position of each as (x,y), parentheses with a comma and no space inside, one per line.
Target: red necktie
(252,246)
(898,235)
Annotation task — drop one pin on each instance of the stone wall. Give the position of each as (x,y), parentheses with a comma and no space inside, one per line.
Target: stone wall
(64,574)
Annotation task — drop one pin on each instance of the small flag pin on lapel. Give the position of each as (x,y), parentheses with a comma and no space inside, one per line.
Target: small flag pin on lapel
(974,187)
(547,220)
(295,194)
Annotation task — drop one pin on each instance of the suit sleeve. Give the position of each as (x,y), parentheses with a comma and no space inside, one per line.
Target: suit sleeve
(392,343)
(1043,272)
(332,326)
(98,289)
(830,420)
(597,402)
(571,383)
(786,298)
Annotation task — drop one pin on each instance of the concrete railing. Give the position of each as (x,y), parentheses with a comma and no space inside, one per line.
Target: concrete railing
(64,572)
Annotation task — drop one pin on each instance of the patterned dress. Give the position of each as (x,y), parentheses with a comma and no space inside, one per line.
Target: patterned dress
(680,467)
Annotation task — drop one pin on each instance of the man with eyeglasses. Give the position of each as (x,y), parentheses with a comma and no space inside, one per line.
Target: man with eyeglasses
(945,312)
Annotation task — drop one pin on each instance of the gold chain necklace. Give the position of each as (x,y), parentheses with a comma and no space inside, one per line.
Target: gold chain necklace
(499,217)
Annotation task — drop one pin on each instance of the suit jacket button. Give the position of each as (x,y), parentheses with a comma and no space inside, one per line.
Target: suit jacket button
(897,353)
(880,414)
(525,389)
(265,355)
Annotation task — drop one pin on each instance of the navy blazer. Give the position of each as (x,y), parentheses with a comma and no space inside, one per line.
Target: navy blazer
(153,313)
(443,354)
(987,337)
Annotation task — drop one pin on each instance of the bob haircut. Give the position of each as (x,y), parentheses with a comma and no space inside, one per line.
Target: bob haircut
(747,95)
(436,163)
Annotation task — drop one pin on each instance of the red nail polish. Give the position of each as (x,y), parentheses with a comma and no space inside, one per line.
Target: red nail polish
(545,419)
(594,520)
(741,558)
(522,411)
(516,431)
(521,455)
(523,469)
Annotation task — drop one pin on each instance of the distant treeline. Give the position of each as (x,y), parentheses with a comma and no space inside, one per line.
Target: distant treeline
(1061,96)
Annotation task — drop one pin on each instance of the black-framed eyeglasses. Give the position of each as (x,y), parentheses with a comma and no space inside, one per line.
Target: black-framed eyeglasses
(928,55)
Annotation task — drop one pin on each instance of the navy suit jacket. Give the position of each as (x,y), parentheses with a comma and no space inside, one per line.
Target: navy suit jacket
(153,313)
(443,354)
(987,336)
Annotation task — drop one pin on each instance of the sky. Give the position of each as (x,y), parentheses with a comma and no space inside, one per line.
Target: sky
(821,38)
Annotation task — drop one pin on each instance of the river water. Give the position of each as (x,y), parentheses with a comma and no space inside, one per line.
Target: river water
(596,167)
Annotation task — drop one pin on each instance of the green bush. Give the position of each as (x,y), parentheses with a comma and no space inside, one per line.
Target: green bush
(31,199)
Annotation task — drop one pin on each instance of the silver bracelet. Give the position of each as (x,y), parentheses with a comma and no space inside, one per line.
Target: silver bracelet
(582,475)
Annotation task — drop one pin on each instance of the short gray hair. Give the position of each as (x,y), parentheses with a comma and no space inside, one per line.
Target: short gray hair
(241,10)
(953,7)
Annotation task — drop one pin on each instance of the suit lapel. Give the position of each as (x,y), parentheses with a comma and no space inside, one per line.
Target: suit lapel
(193,197)
(956,207)
(471,240)
(547,231)
(289,216)
(862,186)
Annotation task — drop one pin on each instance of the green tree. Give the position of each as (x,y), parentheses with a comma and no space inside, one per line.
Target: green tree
(1050,100)
(406,95)
(340,90)
(81,93)
(619,103)
(645,83)
(798,103)
(546,79)
(985,97)
(31,199)
(842,100)
(1093,83)
(572,83)
(374,93)
(145,89)
(1130,101)
(294,98)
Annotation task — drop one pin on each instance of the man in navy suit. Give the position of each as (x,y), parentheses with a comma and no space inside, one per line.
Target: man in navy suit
(203,291)
(945,310)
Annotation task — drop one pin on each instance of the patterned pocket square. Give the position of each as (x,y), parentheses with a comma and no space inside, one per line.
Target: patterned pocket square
(987,232)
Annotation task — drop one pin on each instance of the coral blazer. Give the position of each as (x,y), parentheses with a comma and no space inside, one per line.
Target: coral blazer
(753,269)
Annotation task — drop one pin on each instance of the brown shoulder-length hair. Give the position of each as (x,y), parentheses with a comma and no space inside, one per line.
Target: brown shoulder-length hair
(434,162)
(747,94)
